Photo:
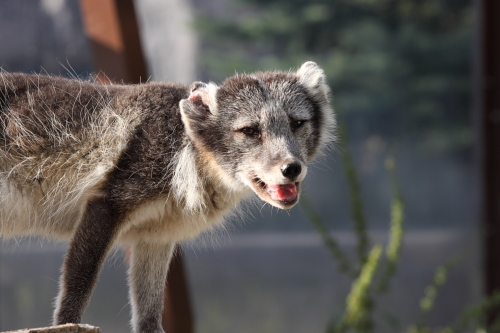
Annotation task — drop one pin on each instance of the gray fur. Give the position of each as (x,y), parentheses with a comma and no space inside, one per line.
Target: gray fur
(149,165)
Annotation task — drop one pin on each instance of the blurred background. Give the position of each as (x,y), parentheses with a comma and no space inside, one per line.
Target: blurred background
(401,74)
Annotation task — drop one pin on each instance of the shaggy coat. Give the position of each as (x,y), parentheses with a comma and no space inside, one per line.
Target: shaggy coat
(149,165)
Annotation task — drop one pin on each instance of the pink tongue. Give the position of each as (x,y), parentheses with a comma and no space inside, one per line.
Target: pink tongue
(282,192)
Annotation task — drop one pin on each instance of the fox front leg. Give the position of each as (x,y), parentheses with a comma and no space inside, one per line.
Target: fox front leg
(86,254)
(147,274)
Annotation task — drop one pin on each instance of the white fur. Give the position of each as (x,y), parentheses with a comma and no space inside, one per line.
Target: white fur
(162,221)
(313,77)
(187,185)
(212,97)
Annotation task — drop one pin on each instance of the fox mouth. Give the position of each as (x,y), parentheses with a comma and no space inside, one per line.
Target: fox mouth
(282,195)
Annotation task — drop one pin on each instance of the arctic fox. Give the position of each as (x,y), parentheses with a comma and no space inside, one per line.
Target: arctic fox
(149,165)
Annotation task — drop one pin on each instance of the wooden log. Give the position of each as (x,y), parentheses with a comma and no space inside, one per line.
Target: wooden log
(66,328)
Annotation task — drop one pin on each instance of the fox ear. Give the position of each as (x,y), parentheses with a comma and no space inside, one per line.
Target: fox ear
(201,101)
(200,104)
(313,78)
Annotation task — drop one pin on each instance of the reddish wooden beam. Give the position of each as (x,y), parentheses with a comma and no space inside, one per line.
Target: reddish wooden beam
(177,311)
(111,27)
(489,11)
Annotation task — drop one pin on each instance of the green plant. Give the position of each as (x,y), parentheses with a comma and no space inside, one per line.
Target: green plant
(371,272)
(359,303)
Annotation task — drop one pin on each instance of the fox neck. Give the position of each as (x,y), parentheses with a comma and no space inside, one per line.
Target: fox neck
(202,184)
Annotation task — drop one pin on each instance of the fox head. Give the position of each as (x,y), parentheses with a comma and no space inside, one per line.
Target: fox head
(262,129)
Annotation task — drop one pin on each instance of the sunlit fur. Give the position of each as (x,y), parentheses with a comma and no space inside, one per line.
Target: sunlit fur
(148,165)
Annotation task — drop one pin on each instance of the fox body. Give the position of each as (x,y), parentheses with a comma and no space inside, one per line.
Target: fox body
(149,165)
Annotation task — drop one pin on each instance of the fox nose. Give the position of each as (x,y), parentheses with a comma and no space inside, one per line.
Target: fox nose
(291,170)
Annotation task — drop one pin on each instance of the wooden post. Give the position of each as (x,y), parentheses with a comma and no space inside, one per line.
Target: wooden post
(489,81)
(111,27)
(177,310)
(112,31)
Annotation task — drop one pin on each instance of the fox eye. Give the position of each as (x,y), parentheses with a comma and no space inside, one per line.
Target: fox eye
(249,131)
(297,123)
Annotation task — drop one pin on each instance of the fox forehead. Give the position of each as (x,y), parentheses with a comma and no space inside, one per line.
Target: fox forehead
(252,99)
